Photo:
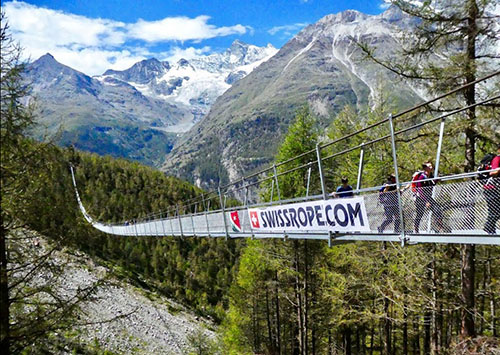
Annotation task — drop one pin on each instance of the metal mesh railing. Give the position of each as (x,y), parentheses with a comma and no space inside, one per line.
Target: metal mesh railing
(450,208)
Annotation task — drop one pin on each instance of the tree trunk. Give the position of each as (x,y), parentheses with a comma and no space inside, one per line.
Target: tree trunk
(484,292)
(330,345)
(314,320)
(306,298)
(435,325)
(362,336)
(492,296)
(405,332)
(269,324)
(427,331)
(277,305)
(298,299)
(255,329)
(394,338)
(372,336)
(4,294)
(468,270)
(387,320)
(416,339)
(347,340)
(467,329)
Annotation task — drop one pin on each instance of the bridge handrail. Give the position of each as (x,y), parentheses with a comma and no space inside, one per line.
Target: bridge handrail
(444,178)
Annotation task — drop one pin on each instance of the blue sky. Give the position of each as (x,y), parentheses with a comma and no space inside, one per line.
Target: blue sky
(93,36)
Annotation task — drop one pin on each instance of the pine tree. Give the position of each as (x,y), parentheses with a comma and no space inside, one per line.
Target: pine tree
(15,118)
(453,44)
(34,189)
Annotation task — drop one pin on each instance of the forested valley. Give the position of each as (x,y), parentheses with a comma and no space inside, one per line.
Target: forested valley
(266,296)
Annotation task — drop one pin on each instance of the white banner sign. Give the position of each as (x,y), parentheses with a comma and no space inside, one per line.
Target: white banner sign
(336,215)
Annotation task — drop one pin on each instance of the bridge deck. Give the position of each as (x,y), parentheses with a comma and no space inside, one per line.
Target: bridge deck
(462,204)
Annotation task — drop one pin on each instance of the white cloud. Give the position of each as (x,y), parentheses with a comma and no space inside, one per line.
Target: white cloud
(96,61)
(30,23)
(287,29)
(94,45)
(180,29)
(177,53)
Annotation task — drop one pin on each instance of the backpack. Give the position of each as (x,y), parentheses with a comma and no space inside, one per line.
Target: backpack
(485,164)
(414,180)
(382,196)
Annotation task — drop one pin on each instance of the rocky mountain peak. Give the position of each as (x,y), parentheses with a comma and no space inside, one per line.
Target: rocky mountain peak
(183,62)
(47,61)
(47,57)
(48,67)
(347,16)
(141,72)
(238,48)
(238,44)
(394,16)
(151,63)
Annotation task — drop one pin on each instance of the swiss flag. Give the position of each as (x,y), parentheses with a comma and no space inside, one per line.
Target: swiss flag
(235,221)
(254,219)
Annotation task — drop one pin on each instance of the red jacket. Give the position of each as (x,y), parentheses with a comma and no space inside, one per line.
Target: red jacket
(495,164)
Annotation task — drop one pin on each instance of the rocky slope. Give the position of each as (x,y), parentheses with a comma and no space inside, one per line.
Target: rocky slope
(122,318)
(322,66)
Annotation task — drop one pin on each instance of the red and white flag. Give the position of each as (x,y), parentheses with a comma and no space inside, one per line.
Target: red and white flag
(235,221)
(254,219)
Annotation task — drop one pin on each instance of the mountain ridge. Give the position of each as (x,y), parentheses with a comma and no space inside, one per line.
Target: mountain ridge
(135,113)
(321,66)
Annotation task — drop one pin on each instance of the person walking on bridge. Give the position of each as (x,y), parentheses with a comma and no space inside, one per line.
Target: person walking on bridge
(424,199)
(492,195)
(344,190)
(389,199)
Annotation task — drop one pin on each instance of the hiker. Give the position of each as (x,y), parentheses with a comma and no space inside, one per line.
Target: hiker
(344,190)
(389,199)
(491,191)
(424,199)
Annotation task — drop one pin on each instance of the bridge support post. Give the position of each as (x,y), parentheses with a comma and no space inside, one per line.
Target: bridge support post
(192,219)
(162,224)
(150,218)
(360,167)
(308,179)
(436,168)
(320,169)
(246,206)
(148,225)
(207,207)
(398,184)
(156,225)
(180,221)
(135,227)
(277,184)
(171,224)
(223,211)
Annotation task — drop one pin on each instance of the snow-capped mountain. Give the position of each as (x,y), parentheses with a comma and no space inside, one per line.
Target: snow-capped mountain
(193,84)
(135,113)
(321,66)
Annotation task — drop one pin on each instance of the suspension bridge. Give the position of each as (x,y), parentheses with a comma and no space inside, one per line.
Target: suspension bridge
(459,210)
